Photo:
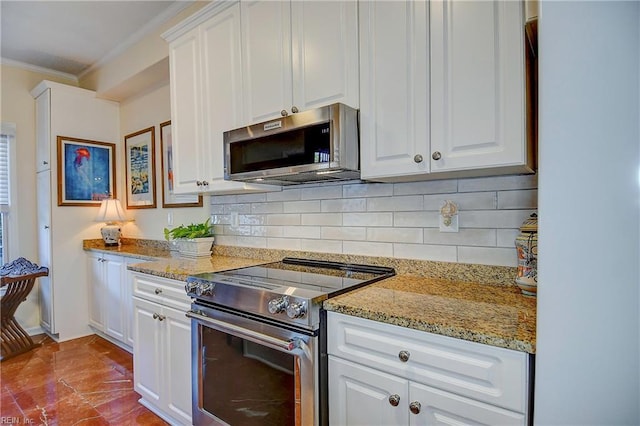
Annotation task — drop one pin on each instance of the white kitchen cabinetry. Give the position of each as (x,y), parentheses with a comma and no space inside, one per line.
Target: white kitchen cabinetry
(63,110)
(206,93)
(111,297)
(385,374)
(394,89)
(456,105)
(162,347)
(297,56)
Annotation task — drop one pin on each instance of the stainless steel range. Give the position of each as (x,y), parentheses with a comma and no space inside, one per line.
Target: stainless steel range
(259,340)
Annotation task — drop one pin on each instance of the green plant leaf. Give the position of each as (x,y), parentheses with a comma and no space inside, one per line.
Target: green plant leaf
(194,230)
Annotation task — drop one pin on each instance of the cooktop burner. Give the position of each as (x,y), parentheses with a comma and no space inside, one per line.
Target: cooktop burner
(291,290)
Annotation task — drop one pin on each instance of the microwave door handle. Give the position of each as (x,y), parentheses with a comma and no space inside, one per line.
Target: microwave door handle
(273,342)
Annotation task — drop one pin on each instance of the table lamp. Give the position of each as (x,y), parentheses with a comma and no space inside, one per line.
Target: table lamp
(111,212)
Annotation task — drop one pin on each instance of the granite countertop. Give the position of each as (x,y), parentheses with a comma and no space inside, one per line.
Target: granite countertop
(468,302)
(180,268)
(129,249)
(494,315)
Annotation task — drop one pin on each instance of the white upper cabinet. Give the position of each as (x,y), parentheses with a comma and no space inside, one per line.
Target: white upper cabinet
(206,95)
(394,91)
(442,90)
(188,146)
(478,115)
(298,55)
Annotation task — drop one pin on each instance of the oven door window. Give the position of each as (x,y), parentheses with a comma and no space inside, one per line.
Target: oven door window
(245,383)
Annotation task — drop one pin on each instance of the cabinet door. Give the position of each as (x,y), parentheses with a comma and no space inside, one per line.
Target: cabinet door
(127,289)
(148,351)
(186,122)
(477,85)
(438,407)
(113,301)
(222,84)
(177,368)
(324,53)
(43,131)
(266,50)
(45,284)
(96,291)
(360,396)
(394,105)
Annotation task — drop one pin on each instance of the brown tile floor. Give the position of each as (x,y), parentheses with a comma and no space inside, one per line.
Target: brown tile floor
(85,381)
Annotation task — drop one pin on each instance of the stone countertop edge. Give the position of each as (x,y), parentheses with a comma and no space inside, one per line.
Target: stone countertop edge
(493,315)
(138,249)
(477,303)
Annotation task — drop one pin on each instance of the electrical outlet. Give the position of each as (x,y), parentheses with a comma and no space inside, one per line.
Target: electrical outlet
(234,219)
(169,219)
(452,227)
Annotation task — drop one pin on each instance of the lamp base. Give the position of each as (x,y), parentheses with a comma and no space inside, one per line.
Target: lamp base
(111,235)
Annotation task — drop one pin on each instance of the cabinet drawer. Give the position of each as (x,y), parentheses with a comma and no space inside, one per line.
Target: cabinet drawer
(161,290)
(485,373)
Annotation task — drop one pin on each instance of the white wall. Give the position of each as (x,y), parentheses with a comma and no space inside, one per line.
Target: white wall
(587,364)
(137,113)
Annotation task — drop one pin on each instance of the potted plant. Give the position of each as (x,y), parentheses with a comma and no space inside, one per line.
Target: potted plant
(194,240)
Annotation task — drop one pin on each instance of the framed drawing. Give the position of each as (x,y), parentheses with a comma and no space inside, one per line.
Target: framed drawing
(140,167)
(169,199)
(86,171)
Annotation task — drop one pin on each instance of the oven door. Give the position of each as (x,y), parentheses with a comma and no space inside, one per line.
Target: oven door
(246,371)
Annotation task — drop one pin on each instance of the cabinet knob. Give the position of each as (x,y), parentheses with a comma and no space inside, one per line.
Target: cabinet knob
(436,155)
(284,113)
(205,183)
(46,227)
(45,162)
(404,356)
(418,158)
(158,317)
(294,109)
(155,316)
(394,399)
(414,407)
(198,183)
(158,290)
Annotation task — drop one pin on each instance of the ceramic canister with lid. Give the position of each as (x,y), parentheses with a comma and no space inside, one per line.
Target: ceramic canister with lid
(527,248)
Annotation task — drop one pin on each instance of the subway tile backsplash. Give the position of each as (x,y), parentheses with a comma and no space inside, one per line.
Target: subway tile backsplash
(394,220)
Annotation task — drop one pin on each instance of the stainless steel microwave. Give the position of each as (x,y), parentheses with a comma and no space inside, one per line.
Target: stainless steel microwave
(310,146)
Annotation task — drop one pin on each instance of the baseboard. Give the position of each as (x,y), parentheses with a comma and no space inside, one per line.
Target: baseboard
(32,331)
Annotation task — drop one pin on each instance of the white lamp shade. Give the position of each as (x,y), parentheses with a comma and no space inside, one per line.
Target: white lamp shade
(111,211)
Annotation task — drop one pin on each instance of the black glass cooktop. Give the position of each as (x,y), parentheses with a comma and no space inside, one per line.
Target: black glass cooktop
(319,276)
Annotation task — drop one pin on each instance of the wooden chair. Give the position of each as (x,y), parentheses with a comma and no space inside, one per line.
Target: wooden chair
(18,277)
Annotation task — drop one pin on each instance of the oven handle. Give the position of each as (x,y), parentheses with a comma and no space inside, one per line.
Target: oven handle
(225,327)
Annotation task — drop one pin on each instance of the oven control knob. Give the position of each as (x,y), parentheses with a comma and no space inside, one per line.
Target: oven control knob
(296,310)
(278,304)
(204,289)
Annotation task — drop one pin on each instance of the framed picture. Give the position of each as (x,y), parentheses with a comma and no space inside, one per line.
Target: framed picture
(86,171)
(140,167)
(169,199)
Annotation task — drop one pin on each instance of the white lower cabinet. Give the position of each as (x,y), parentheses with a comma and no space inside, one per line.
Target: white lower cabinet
(381,374)
(162,347)
(110,308)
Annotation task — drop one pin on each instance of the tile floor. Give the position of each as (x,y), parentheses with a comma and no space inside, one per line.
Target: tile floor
(85,381)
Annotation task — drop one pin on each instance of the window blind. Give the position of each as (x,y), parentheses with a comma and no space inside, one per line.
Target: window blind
(4,172)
